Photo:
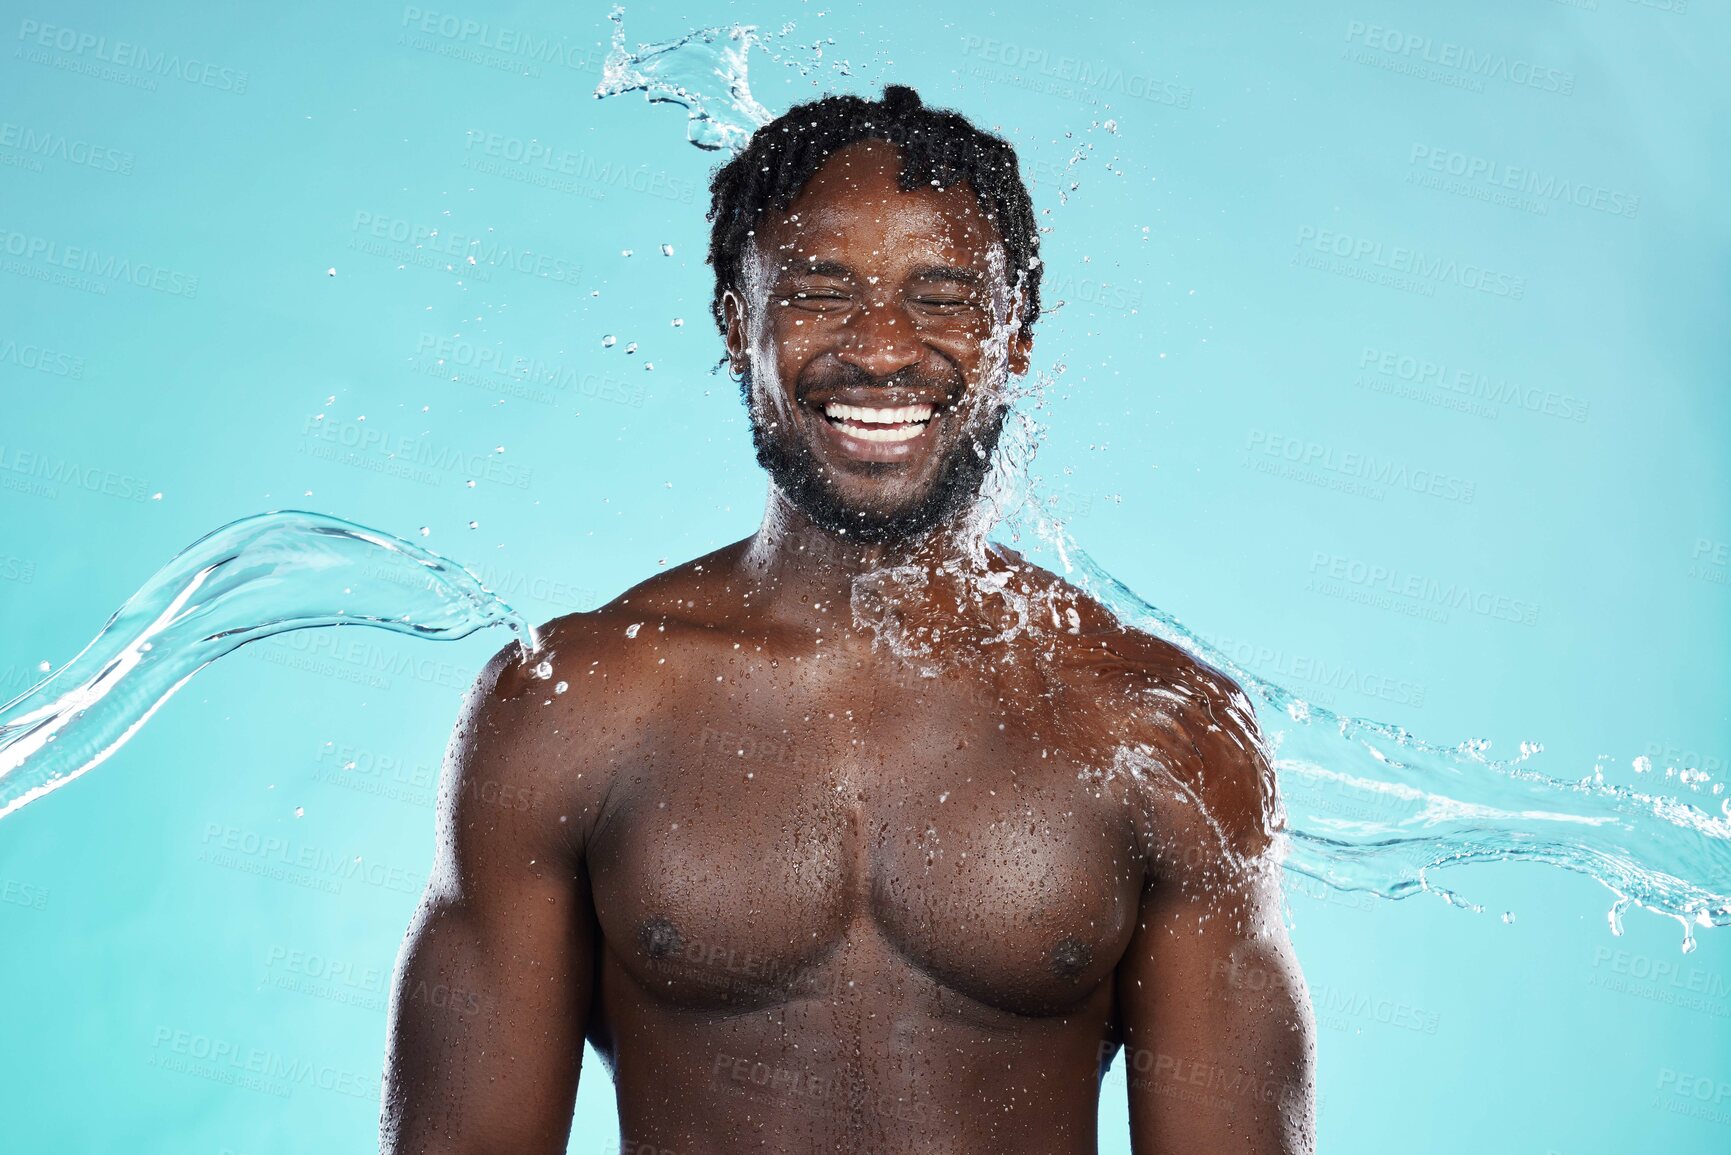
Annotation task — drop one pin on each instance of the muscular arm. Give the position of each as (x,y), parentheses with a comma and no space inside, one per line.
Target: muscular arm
(493,983)
(1218,1035)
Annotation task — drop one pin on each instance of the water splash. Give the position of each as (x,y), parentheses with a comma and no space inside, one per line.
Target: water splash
(1373,807)
(1369,806)
(706,72)
(703,72)
(251,579)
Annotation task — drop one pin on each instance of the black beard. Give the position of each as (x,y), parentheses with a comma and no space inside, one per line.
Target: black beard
(796,473)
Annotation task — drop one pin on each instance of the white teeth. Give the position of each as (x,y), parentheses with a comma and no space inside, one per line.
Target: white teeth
(898,416)
(888,433)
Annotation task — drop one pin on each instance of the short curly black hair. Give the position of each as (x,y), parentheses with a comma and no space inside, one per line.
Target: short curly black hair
(936,144)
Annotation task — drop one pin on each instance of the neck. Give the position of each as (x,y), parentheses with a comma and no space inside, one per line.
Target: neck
(803,575)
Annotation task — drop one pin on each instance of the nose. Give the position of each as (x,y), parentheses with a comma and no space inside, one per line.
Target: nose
(879,338)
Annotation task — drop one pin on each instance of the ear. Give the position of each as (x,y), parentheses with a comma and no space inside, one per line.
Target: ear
(733,330)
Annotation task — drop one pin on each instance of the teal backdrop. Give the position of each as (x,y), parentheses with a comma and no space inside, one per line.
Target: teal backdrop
(355,257)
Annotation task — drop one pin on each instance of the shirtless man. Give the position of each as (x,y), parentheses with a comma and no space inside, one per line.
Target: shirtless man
(860,834)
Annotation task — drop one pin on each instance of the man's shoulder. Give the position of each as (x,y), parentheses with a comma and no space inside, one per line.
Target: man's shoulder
(632,645)
(1153,697)
(556,722)
(1100,644)
(679,604)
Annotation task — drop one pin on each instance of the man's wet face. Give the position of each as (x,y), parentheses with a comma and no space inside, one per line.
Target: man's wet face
(874,334)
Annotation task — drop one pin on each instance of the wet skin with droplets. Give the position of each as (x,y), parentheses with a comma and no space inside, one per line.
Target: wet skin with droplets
(837,853)
(801,896)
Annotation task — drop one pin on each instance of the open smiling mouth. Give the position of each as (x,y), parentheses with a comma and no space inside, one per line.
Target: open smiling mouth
(902,423)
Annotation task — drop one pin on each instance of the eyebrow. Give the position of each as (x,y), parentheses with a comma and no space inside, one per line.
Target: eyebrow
(826,268)
(818,269)
(956,273)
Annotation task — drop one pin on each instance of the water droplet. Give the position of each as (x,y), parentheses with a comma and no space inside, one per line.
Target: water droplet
(609,341)
(543,669)
(561,687)
(300,811)
(631,630)
(1615,915)
(667,250)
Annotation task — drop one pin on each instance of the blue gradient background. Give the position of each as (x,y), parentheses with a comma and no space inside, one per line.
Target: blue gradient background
(1195,333)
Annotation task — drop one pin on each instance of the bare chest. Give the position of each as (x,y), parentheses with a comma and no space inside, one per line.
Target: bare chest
(776,840)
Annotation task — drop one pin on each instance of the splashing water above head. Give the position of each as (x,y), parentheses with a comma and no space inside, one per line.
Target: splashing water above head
(703,72)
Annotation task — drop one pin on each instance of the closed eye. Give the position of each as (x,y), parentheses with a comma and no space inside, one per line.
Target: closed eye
(816,300)
(944,305)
